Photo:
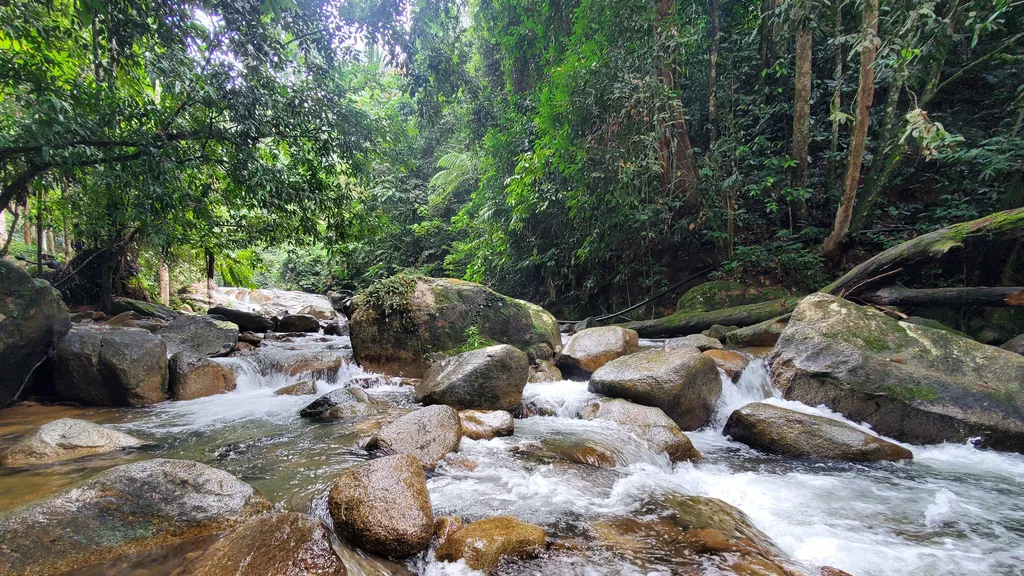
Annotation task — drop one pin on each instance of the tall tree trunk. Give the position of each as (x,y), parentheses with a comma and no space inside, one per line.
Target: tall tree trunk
(675,153)
(165,283)
(28,225)
(40,231)
(837,96)
(64,220)
(107,275)
(713,73)
(10,237)
(888,156)
(801,114)
(210,267)
(3,226)
(837,242)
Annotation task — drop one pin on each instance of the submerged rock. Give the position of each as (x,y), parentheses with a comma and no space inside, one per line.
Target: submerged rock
(489,378)
(397,322)
(486,424)
(123,510)
(383,506)
(298,323)
(33,318)
(777,430)
(684,383)
(588,350)
(273,544)
(66,439)
(304,388)
(731,362)
(482,544)
(913,383)
(647,423)
(698,341)
(590,456)
(342,403)
(428,434)
(199,335)
(248,321)
(195,376)
(111,367)
(545,371)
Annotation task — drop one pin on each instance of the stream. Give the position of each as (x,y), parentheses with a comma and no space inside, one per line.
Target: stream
(953,510)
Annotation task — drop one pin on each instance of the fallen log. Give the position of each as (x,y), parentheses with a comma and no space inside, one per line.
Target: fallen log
(970,296)
(684,323)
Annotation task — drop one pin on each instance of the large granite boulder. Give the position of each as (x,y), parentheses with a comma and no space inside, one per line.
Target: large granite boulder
(489,378)
(778,430)
(647,423)
(383,506)
(588,350)
(482,544)
(913,383)
(195,376)
(683,382)
(273,544)
(111,367)
(248,321)
(33,318)
(200,335)
(66,439)
(123,510)
(396,323)
(429,434)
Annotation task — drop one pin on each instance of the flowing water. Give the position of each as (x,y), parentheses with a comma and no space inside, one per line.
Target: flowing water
(953,510)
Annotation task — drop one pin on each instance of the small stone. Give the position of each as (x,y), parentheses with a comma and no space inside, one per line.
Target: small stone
(732,363)
(445,526)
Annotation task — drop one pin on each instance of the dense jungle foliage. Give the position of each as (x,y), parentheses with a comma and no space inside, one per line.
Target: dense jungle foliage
(582,154)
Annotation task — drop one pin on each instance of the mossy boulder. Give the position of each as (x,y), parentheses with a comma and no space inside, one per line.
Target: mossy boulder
(720,294)
(111,367)
(482,544)
(778,430)
(32,319)
(66,439)
(396,323)
(489,378)
(913,383)
(588,350)
(761,334)
(151,309)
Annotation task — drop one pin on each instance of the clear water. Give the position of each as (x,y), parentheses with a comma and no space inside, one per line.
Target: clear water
(953,510)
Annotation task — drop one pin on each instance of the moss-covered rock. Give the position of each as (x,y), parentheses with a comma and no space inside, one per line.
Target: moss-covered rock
(720,294)
(151,309)
(397,322)
(482,544)
(761,334)
(913,383)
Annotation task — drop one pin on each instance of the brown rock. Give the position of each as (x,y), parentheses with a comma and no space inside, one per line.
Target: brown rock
(304,388)
(591,456)
(545,371)
(428,434)
(588,350)
(194,377)
(830,571)
(484,543)
(731,362)
(486,424)
(445,526)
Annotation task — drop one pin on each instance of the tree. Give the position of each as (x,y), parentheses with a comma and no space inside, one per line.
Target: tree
(801,110)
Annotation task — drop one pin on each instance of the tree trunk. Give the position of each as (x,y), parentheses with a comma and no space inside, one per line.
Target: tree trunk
(837,96)
(683,323)
(801,117)
(675,152)
(107,276)
(210,266)
(713,31)
(165,283)
(957,297)
(40,232)
(3,226)
(837,242)
(888,156)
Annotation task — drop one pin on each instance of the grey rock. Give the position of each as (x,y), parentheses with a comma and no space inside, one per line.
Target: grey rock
(698,341)
(66,439)
(489,378)
(249,321)
(111,367)
(194,376)
(199,335)
(428,434)
(298,323)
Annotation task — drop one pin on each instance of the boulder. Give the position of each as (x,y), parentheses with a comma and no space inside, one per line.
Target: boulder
(588,455)
(731,362)
(698,341)
(286,543)
(66,439)
(588,350)
(248,321)
(324,311)
(684,383)
(1015,345)
(124,509)
(486,424)
(482,544)
(150,309)
(304,388)
(719,294)
(111,367)
(445,526)
(298,323)
(759,335)
(785,432)
(199,335)
(383,506)
(489,378)
(33,318)
(194,376)
(428,434)
(719,332)
(545,371)
(342,403)
(647,423)
(397,322)
(913,383)
(317,364)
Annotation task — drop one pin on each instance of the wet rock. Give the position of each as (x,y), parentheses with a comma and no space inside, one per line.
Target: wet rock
(111,367)
(338,327)
(545,371)
(195,376)
(786,432)
(762,334)
(684,383)
(320,365)
(731,362)
(589,349)
(322,311)
(591,456)
(719,332)
(482,544)
(698,341)
(430,315)
(123,510)
(383,506)
(298,323)
(248,321)
(32,319)
(286,544)
(304,388)
(647,423)
(124,319)
(913,383)
(486,424)
(250,338)
(199,335)
(489,378)
(1015,345)
(150,309)
(830,571)
(66,439)
(537,406)
(445,526)
(428,434)
(342,403)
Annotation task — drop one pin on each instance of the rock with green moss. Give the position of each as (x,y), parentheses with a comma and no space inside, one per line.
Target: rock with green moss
(490,378)
(32,319)
(151,309)
(720,294)
(761,334)
(396,323)
(913,383)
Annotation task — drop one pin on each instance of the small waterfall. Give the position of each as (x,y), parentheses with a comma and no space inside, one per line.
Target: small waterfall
(754,384)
